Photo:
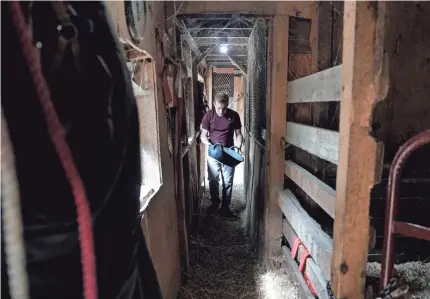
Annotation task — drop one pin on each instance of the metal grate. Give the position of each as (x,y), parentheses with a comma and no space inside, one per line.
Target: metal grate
(256,81)
(223,83)
(255,121)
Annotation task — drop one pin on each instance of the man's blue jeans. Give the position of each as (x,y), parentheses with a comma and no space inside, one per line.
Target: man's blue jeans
(227,174)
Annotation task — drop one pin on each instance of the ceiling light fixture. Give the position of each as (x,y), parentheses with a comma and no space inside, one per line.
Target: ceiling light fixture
(223,49)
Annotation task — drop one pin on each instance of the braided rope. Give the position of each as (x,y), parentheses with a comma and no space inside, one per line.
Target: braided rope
(58,138)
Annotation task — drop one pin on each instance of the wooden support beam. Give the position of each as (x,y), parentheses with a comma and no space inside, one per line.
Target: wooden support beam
(204,41)
(324,86)
(312,270)
(316,141)
(315,239)
(209,86)
(188,38)
(292,269)
(236,63)
(322,194)
(134,55)
(223,70)
(276,118)
(206,53)
(365,82)
(186,148)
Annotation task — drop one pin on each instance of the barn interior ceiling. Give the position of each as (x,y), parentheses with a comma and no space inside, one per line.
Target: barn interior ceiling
(219,40)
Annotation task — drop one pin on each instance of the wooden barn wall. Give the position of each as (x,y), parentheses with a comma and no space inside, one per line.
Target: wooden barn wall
(159,222)
(406,111)
(315,44)
(403,113)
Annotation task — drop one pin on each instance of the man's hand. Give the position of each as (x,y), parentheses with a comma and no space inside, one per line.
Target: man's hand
(239,139)
(204,137)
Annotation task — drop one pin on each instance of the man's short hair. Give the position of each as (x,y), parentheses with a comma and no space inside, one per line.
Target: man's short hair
(221,98)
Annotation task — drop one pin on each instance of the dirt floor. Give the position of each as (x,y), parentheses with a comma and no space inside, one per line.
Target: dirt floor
(223,264)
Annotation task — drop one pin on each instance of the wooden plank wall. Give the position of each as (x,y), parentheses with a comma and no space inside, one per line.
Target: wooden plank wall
(315,239)
(308,198)
(321,193)
(312,270)
(324,86)
(188,157)
(363,81)
(316,141)
(299,223)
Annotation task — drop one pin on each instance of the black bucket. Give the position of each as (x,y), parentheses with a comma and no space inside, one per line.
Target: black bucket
(227,156)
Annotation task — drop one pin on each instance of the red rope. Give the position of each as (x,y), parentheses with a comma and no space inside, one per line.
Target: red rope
(302,261)
(295,249)
(58,138)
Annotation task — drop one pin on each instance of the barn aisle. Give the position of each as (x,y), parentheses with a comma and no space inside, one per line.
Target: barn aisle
(223,264)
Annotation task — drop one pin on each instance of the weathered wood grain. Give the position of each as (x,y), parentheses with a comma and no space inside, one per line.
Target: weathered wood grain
(324,86)
(315,239)
(316,141)
(312,270)
(321,193)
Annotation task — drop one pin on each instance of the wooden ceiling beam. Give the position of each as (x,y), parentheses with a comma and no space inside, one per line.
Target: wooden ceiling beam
(221,40)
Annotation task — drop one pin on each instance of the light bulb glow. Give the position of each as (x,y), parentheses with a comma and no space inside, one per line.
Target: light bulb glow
(223,49)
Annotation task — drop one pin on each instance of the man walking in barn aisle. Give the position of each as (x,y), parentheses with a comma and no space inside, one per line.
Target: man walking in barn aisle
(219,126)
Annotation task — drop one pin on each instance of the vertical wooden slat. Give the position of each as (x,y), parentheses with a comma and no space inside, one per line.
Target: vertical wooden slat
(179,188)
(363,75)
(320,111)
(337,34)
(276,119)
(194,98)
(209,87)
(325,32)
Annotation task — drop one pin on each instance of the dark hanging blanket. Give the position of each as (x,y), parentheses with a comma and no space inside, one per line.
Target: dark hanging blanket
(98,110)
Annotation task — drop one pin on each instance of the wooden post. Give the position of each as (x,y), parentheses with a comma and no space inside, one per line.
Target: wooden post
(276,128)
(364,85)
(209,87)
(193,99)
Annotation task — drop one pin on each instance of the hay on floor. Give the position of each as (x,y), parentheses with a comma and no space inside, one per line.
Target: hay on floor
(416,274)
(277,284)
(223,264)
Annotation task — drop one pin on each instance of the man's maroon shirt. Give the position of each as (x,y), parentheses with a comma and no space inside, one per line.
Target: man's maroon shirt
(221,128)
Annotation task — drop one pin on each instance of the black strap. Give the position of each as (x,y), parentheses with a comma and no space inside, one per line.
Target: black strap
(68,36)
(329,291)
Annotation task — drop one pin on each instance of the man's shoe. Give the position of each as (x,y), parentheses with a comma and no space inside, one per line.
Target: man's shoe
(227,213)
(212,209)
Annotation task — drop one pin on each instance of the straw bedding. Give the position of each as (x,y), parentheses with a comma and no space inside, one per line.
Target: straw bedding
(223,264)
(417,274)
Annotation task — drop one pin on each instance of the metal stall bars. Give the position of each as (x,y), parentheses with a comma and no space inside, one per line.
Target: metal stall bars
(392,226)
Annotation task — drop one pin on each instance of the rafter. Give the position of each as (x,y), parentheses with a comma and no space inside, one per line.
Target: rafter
(201,41)
(188,38)
(237,64)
